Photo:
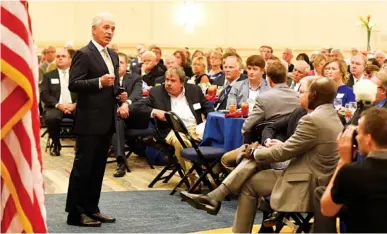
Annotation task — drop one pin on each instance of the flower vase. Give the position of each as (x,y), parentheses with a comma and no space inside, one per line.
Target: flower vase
(368,40)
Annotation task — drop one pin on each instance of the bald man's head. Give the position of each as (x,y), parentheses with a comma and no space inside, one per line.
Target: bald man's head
(321,91)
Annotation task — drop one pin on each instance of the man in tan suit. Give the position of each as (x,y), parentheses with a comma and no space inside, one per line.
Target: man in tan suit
(312,150)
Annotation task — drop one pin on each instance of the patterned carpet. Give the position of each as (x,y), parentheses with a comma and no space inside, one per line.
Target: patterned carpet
(143,212)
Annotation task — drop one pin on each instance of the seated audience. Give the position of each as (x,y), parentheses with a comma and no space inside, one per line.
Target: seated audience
(266,52)
(232,73)
(305,57)
(159,60)
(359,186)
(380,56)
(186,100)
(381,94)
(336,70)
(197,53)
(247,90)
(170,61)
(301,70)
(287,56)
(274,104)
(199,67)
(48,64)
(371,71)
(183,61)
(149,69)
(215,63)
(373,61)
(132,89)
(312,151)
(58,101)
(318,63)
(134,65)
(357,68)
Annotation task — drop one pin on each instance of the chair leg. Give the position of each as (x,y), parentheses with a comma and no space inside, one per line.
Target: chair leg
(159,176)
(174,170)
(185,178)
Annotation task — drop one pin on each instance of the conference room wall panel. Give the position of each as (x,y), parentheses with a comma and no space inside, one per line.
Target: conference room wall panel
(302,25)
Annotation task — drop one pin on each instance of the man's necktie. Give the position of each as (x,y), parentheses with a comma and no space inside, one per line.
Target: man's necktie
(108,61)
(65,93)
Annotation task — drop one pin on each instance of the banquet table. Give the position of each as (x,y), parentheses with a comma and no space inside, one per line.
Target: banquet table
(223,132)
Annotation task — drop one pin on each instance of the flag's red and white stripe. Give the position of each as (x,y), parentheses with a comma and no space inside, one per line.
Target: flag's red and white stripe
(22,191)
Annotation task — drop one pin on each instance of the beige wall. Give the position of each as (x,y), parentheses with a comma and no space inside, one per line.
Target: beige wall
(304,26)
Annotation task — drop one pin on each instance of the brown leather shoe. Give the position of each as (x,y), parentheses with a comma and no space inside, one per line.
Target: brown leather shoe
(103,218)
(201,202)
(83,221)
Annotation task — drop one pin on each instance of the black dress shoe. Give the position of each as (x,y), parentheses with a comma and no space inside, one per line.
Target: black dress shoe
(121,171)
(55,150)
(274,219)
(83,220)
(202,202)
(103,218)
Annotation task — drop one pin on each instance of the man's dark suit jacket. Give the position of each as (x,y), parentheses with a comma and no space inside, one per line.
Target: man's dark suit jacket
(351,81)
(159,99)
(133,86)
(290,67)
(284,127)
(96,107)
(150,77)
(49,92)
(223,100)
(134,64)
(161,65)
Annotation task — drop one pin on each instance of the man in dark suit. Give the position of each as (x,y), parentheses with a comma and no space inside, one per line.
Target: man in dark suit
(159,60)
(186,100)
(357,68)
(232,73)
(59,102)
(131,85)
(93,76)
(149,71)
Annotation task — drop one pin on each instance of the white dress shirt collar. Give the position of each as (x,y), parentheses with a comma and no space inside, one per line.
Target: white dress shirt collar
(99,47)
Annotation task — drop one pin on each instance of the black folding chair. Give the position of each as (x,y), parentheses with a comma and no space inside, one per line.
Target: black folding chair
(204,158)
(66,127)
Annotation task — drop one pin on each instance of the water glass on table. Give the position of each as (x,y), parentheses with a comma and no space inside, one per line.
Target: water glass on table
(338,103)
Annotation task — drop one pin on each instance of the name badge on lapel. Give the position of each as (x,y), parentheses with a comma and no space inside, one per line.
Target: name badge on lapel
(55,81)
(197,106)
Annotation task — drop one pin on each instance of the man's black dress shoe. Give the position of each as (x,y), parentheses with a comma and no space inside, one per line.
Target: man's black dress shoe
(103,218)
(202,202)
(121,171)
(274,219)
(83,220)
(55,150)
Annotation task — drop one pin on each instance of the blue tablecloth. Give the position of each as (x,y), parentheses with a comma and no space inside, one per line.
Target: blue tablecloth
(223,132)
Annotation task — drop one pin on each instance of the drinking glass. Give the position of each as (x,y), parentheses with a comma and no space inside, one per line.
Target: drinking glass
(232,105)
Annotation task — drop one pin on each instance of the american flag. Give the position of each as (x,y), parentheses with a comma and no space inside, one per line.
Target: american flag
(22,191)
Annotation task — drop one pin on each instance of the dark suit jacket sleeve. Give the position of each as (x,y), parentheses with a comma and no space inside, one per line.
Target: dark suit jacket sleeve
(276,127)
(299,143)
(79,83)
(144,106)
(136,89)
(45,96)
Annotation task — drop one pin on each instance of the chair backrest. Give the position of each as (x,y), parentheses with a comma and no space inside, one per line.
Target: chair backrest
(178,127)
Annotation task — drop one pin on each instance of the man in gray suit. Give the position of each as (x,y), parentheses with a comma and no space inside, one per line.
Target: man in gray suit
(273,104)
(312,150)
(247,90)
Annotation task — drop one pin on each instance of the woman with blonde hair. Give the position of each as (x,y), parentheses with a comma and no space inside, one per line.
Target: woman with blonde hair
(336,70)
(216,64)
(318,62)
(199,67)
